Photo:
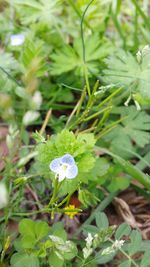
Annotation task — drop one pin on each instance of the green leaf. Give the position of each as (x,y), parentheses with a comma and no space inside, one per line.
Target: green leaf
(129,71)
(87,198)
(118,183)
(101,220)
(7,62)
(33,58)
(90,229)
(71,253)
(145,259)
(33,11)
(24,260)
(125,264)
(32,232)
(123,229)
(135,242)
(101,168)
(73,56)
(133,128)
(26,226)
(41,230)
(58,230)
(28,241)
(54,259)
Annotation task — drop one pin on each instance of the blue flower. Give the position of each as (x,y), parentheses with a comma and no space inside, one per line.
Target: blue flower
(64,167)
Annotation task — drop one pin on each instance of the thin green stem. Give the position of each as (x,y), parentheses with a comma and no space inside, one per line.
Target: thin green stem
(55,191)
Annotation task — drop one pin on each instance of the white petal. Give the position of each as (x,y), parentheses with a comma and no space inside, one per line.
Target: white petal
(37,99)
(17,39)
(68,159)
(3,196)
(29,117)
(55,165)
(72,171)
(61,175)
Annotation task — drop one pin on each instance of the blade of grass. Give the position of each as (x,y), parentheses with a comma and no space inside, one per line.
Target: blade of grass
(141,12)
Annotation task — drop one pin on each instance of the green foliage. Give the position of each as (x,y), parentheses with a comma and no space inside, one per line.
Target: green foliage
(33,57)
(56,69)
(130,71)
(73,56)
(32,232)
(134,127)
(123,230)
(101,220)
(33,11)
(146,259)
(23,260)
(8,62)
(38,241)
(79,147)
(87,198)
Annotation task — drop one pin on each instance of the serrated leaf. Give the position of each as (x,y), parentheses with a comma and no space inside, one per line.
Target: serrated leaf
(101,220)
(133,128)
(7,62)
(87,198)
(33,11)
(73,56)
(33,58)
(125,70)
(123,229)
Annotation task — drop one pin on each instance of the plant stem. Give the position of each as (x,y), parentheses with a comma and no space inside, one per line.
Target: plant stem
(46,121)
(52,200)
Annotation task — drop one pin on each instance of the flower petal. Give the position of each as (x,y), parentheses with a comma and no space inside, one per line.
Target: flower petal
(61,175)
(55,165)
(68,159)
(72,171)
(17,39)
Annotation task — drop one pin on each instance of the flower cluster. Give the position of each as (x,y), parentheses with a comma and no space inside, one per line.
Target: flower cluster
(116,245)
(64,167)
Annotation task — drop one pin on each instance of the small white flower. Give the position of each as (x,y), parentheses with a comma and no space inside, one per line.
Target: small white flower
(37,99)
(64,167)
(30,116)
(17,39)
(3,195)
(89,240)
(87,252)
(108,251)
(118,244)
